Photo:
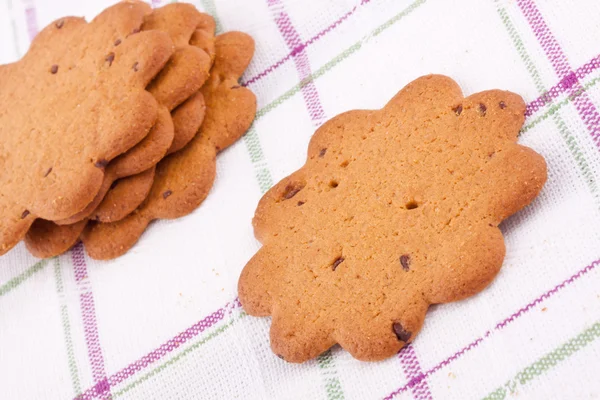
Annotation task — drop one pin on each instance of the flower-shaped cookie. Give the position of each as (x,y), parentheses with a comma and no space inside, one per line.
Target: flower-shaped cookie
(395,209)
(184,178)
(74,102)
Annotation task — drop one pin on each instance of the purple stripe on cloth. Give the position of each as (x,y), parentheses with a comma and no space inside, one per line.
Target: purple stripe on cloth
(31,20)
(565,84)
(79,265)
(293,41)
(163,350)
(301,46)
(584,105)
(500,325)
(414,373)
(545,37)
(90,326)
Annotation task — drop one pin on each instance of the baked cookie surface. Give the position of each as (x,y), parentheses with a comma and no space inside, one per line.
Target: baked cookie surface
(395,209)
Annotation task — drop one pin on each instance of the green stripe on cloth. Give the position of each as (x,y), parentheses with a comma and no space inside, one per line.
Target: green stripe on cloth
(337,59)
(17,280)
(252,140)
(397,17)
(315,75)
(554,108)
(64,314)
(569,139)
(15,30)
(262,172)
(216,332)
(547,362)
(333,387)
(210,7)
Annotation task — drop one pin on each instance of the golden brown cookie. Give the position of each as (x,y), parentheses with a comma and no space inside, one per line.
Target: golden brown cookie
(141,157)
(204,36)
(395,209)
(234,51)
(184,178)
(72,104)
(184,74)
(178,20)
(124,196)
(187,119)
(117,204)
(46,239)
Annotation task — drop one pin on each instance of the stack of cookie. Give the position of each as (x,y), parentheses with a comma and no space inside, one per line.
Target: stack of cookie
(111,124)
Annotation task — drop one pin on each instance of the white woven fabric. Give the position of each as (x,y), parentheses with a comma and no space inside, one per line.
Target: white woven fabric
(162,322)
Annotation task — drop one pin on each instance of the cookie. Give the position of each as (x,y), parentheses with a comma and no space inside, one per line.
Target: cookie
(204,36)
(46,239)
(196,30)
(184,178)
(187,120)
(184,75)
(180,21)
(72,104)
(125,196)
(141,157)
(394,210)
(117,203)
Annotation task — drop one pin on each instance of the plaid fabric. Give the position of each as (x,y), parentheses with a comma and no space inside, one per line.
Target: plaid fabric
(163,321)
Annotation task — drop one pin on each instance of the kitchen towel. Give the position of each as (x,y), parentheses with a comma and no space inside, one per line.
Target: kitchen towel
(164,322)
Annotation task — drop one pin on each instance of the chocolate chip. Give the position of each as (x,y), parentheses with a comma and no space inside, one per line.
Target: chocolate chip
(405,261)
(290,191)
(280,356)
(458,109)
(322,153)
(114,184)
(54,69)
(110,58)
(48,172)
(135,66)
(337,262)
(301,202)
(133,32)
(25,214)
(236,87)
(167,193)
(101,163)
(402,334)
(117,42)
(411,205)
(482,108)
(502,105)
(60,23)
